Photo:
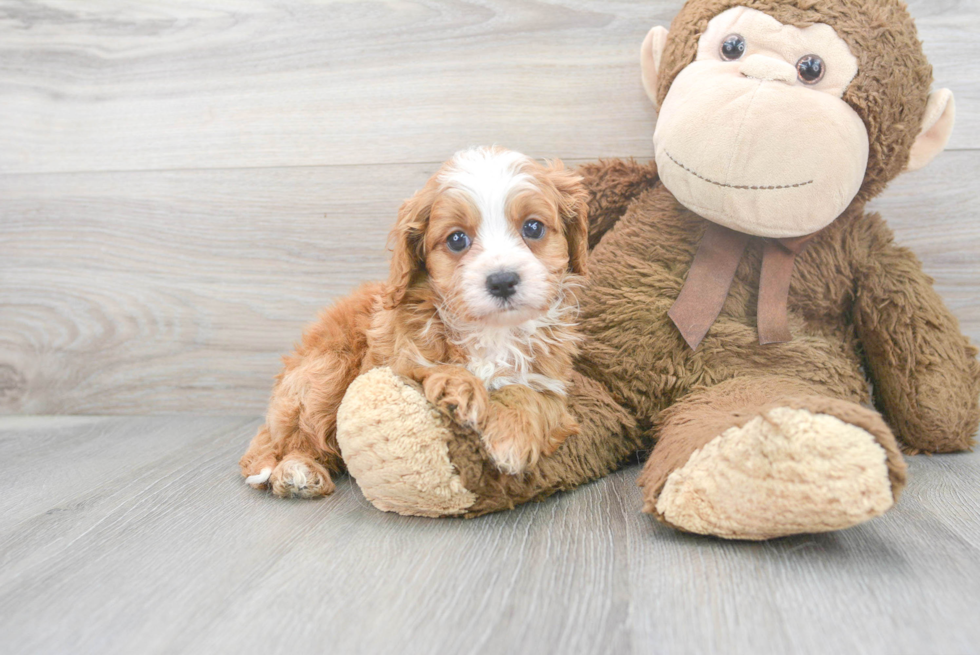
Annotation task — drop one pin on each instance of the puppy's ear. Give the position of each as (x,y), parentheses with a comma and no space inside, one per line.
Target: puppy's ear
(407,243)
(573,208)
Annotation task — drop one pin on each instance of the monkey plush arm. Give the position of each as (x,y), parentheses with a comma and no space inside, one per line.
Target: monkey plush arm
(925,372)
(612,184)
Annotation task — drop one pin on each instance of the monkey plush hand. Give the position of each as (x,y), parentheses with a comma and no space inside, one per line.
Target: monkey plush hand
(741,298)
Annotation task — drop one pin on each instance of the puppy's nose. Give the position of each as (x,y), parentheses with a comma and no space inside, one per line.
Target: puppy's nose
(503,285)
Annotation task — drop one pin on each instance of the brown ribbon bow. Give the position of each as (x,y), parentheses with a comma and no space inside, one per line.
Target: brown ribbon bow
(710,278)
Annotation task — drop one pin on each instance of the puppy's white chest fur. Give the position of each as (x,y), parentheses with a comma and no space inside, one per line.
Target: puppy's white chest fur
(501,356)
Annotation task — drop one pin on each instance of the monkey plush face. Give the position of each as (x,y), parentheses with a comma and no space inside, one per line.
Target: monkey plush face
(754,135)
(766,131)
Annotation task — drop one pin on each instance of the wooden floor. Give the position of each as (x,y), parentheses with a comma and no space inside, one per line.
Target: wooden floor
(136,535)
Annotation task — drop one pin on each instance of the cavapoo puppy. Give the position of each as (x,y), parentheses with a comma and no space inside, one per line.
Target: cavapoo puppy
(478,309)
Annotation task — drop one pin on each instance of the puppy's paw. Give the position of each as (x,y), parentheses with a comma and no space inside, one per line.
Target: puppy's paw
(510,454)
(511,442)
(568,428)
(299,477)
(259,480)
(516,441)
(459,394)
(257,463)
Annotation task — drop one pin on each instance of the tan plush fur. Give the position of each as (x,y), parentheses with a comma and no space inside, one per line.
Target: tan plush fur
(788,472)
(421,325)
(410,460)
(411,474)
(890,91)
(705,413)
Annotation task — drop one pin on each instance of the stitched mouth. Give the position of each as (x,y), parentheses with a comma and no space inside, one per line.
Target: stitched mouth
(737,186)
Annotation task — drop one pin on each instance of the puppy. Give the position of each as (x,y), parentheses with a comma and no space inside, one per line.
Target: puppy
(478,309)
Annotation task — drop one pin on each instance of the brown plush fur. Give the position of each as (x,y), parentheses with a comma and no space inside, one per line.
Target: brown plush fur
(399,324)
(609,435)
(877,308)
(860,307)
(612,184)
(858,303)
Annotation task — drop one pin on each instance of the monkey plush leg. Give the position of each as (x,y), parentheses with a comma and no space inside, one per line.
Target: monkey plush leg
(408,457)
(756,458)
(925,372)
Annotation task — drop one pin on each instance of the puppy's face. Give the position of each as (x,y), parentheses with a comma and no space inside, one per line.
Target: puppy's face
(496,234)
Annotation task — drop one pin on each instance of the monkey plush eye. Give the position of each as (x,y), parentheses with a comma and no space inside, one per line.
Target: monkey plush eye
(733,47)
(533,229)
(458,241)
(811,69)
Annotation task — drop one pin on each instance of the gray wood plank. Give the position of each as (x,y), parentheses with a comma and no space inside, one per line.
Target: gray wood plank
(35,482)
(165,550)
(183,557)
(133,86)
(157,292)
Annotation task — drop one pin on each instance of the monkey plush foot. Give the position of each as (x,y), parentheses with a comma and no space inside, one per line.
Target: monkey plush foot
(777,471)
(409,458)
(395,444)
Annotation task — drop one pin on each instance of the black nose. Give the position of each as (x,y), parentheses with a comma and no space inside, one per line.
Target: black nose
(503,285)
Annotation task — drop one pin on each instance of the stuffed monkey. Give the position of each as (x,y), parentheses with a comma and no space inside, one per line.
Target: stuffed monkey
(741,298)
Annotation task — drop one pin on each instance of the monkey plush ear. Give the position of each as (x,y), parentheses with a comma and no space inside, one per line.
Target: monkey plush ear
(651,53)
(936,129)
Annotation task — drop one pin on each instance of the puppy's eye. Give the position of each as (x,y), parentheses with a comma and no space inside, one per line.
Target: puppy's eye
(533,229)
(458,241)
(811,69)
(733,47)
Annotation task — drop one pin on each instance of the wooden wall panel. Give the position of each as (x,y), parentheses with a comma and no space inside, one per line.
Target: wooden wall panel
(183,185)
(171,292)
(229,83)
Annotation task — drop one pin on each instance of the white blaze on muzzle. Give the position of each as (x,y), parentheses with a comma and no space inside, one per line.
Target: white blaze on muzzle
(490,182)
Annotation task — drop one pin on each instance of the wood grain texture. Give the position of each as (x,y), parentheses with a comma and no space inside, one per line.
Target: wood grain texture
(137,535)
(127,286)
(183,185)
(157,292)
(120,85)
